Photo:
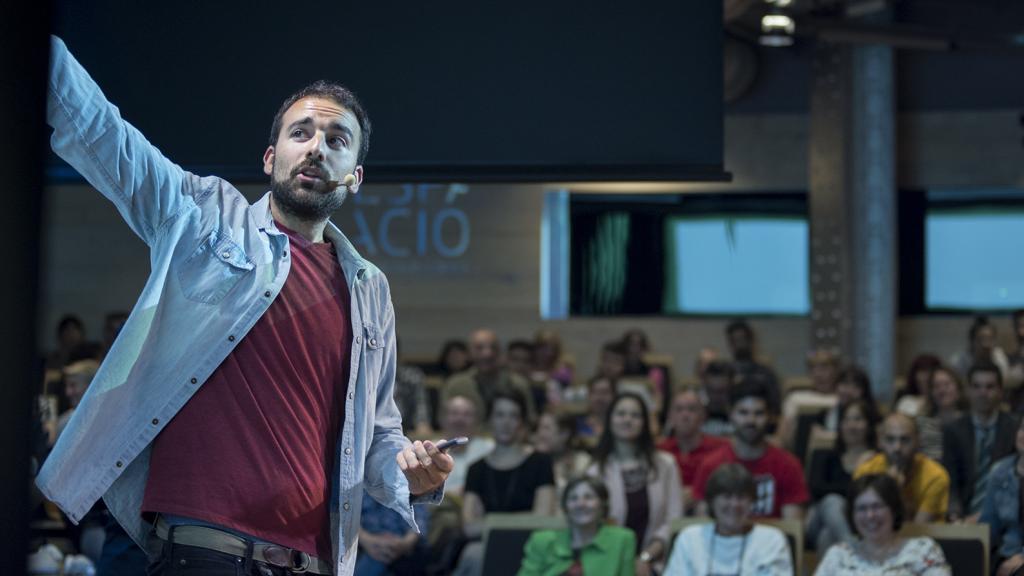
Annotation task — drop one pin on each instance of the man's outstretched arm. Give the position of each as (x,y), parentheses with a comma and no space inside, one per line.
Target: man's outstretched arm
(89,133)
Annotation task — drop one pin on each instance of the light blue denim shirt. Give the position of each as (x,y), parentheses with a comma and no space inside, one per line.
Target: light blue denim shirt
(217,264)
(1001,508)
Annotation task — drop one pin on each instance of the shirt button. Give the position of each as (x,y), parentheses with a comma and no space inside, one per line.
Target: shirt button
(193,381)
(267,293)
(226,255)
(156,421)
(120,464)
(359,339)
(284,254)
(351,395)
(345,506)
(231,338)
(373,341)
(348,450)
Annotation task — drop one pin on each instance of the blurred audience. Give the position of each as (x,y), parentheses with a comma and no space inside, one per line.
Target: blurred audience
(1003,511)
(77,377)
(913,396)
(982,346)
(112,325)
(70,335)
(454,358)
(590,546)
(971,443)
(488,376)
(593,450)
(512,478)
(643,483)
(831,474)
(716,386)
(550,359)
(705,356)
(877,514)
(742,343)
(822,370)
(686,441)
(732,544)
(923,482)
(637,346)
(944,404)
(555,436)
(601,391)
(1015,374)
(519,359)
(612,361)
(781,488)
(388,546)
(461,417)
(411,397)
(852,383)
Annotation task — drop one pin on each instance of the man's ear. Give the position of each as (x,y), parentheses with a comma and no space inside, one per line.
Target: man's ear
(268,161)
(358,173)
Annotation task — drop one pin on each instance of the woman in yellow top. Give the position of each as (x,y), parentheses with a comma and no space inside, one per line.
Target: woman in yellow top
(590,546)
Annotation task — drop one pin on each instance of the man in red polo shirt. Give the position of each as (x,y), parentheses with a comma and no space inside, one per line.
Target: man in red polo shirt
(686,442)
(781,489)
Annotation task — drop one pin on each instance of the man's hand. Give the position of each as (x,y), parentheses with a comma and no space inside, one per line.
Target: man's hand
(425,466)
(376,546)
(1010,565)
(897,474)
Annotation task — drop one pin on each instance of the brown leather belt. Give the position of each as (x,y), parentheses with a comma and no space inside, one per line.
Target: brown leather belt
(220,541)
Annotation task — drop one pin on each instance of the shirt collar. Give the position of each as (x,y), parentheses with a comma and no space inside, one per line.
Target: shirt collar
(979,423)
(352,263)
(564,542)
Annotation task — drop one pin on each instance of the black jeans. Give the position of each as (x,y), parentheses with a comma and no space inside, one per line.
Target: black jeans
(170,559)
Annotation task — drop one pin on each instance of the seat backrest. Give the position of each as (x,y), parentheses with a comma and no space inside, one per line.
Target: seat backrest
(966,546)
(505,536)
(819,439)
(793,529)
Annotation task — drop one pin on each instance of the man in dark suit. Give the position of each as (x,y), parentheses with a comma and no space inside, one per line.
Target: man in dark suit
(973,442)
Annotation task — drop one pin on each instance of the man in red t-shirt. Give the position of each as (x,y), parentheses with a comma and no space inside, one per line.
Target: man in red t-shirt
(781,490)
(686,442)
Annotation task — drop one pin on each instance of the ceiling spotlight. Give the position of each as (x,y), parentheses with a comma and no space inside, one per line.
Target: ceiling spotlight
(779,3)
(777,29)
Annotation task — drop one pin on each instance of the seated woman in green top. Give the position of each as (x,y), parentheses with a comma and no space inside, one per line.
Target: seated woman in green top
(589,546)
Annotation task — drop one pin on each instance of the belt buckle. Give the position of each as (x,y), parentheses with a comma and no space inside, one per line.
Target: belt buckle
(297,561)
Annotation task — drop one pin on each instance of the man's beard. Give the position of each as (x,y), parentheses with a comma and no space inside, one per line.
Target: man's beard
(314,203)
(750,435)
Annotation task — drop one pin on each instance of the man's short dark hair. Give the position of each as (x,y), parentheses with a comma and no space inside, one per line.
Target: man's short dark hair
(330,91)
(69,320)
(985,366)
(886,488)
(739,324)
(729,479)
(979,323)
(749,388)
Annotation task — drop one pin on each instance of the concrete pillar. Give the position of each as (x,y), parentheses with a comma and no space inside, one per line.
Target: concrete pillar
(852,205)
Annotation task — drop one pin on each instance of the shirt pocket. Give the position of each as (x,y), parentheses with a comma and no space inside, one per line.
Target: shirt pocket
(216,266)
(373,355)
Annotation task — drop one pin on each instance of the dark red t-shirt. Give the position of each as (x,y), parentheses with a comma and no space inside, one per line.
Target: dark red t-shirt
(253,449)
(777,473)
(689,463)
